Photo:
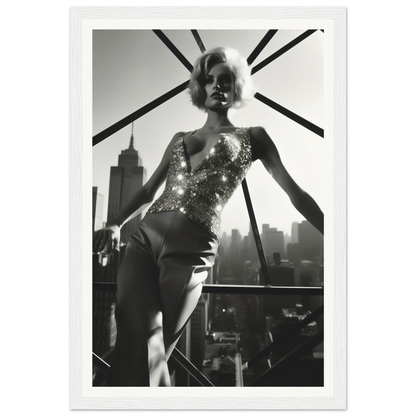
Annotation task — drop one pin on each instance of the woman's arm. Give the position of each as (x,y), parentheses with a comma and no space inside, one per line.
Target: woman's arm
(142,198)
(147,192)
(264,149)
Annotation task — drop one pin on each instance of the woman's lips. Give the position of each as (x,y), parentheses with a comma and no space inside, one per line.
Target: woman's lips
(217,95)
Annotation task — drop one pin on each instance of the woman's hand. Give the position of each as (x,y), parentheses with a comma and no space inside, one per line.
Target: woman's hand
(107,239)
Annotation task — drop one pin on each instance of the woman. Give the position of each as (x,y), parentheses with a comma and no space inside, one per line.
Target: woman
(168,258)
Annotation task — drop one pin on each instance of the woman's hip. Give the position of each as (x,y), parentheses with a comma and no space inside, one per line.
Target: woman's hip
(173,233)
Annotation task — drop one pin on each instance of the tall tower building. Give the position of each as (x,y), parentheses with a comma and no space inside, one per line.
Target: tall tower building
(295,232)
(199,328)
(311,240)
(97,209)
(273,241)
(125,180)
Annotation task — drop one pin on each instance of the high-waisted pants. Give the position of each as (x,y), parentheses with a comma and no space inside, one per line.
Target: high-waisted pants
(158,286)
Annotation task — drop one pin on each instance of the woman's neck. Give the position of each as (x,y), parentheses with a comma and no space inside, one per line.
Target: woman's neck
(216,120)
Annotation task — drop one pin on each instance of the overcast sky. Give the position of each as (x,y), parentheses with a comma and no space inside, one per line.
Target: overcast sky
(133,67)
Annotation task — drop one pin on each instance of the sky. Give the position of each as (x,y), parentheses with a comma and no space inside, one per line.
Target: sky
(133,67)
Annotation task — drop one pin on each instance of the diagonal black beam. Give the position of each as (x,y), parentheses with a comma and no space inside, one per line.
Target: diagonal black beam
(257,50)
(192,370)
(308,345)
(198,40)
(283,50)
(274,345)
(256,233)
(290,114)
(174,49)
(137,114)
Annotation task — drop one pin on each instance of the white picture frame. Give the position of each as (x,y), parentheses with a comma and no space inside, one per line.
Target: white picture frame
(81,397)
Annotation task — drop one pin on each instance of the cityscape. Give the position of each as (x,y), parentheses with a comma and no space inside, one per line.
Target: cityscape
(226,329)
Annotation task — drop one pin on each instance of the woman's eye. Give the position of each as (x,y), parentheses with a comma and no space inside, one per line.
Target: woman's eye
(226,81)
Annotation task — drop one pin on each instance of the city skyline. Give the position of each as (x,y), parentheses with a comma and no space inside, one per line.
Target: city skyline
(122,83)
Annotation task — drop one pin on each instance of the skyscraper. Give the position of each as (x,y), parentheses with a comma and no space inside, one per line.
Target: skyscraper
(97,209)
(311,240)
(235,246)
(199,328)
(273,241)
(295,232)
(125,180)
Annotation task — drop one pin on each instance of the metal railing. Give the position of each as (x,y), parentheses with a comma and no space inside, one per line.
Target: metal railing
(308,345)
(268,289)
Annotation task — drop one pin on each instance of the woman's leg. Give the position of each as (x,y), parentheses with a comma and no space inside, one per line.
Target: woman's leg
(139,344)
(187,256)
(176,316)
(159,284)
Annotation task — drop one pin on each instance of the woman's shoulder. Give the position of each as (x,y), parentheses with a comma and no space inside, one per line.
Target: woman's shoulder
(177,137)
(260,142)
(257,132)
(180,134)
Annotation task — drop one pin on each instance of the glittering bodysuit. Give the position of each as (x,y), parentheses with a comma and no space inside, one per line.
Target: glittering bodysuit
(201,193)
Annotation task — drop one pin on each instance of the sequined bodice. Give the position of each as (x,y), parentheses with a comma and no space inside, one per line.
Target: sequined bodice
(202,192)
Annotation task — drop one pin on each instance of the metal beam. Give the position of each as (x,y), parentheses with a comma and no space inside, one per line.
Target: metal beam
(173,49)
(257,50)
(263,290)
(290,114)
(256,234)
(239,378)
(100,363)
(137,114)
(276,343)
(308,345)
(192,370)
(240,289)
(198,40)
(281,51)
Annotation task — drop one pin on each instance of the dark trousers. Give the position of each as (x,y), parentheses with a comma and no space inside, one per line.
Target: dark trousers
(158,286)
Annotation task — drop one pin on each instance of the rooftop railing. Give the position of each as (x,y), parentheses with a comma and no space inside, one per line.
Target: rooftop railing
(307,346)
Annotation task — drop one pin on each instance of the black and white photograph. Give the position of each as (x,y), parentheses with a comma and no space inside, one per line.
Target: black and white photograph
(211,183)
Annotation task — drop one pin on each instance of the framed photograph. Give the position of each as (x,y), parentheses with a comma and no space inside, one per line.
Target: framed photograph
(268,325)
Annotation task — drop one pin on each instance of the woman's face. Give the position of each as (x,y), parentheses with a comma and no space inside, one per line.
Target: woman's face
(219,87)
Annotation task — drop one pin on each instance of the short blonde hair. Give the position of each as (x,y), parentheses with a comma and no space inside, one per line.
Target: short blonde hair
(244,88)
